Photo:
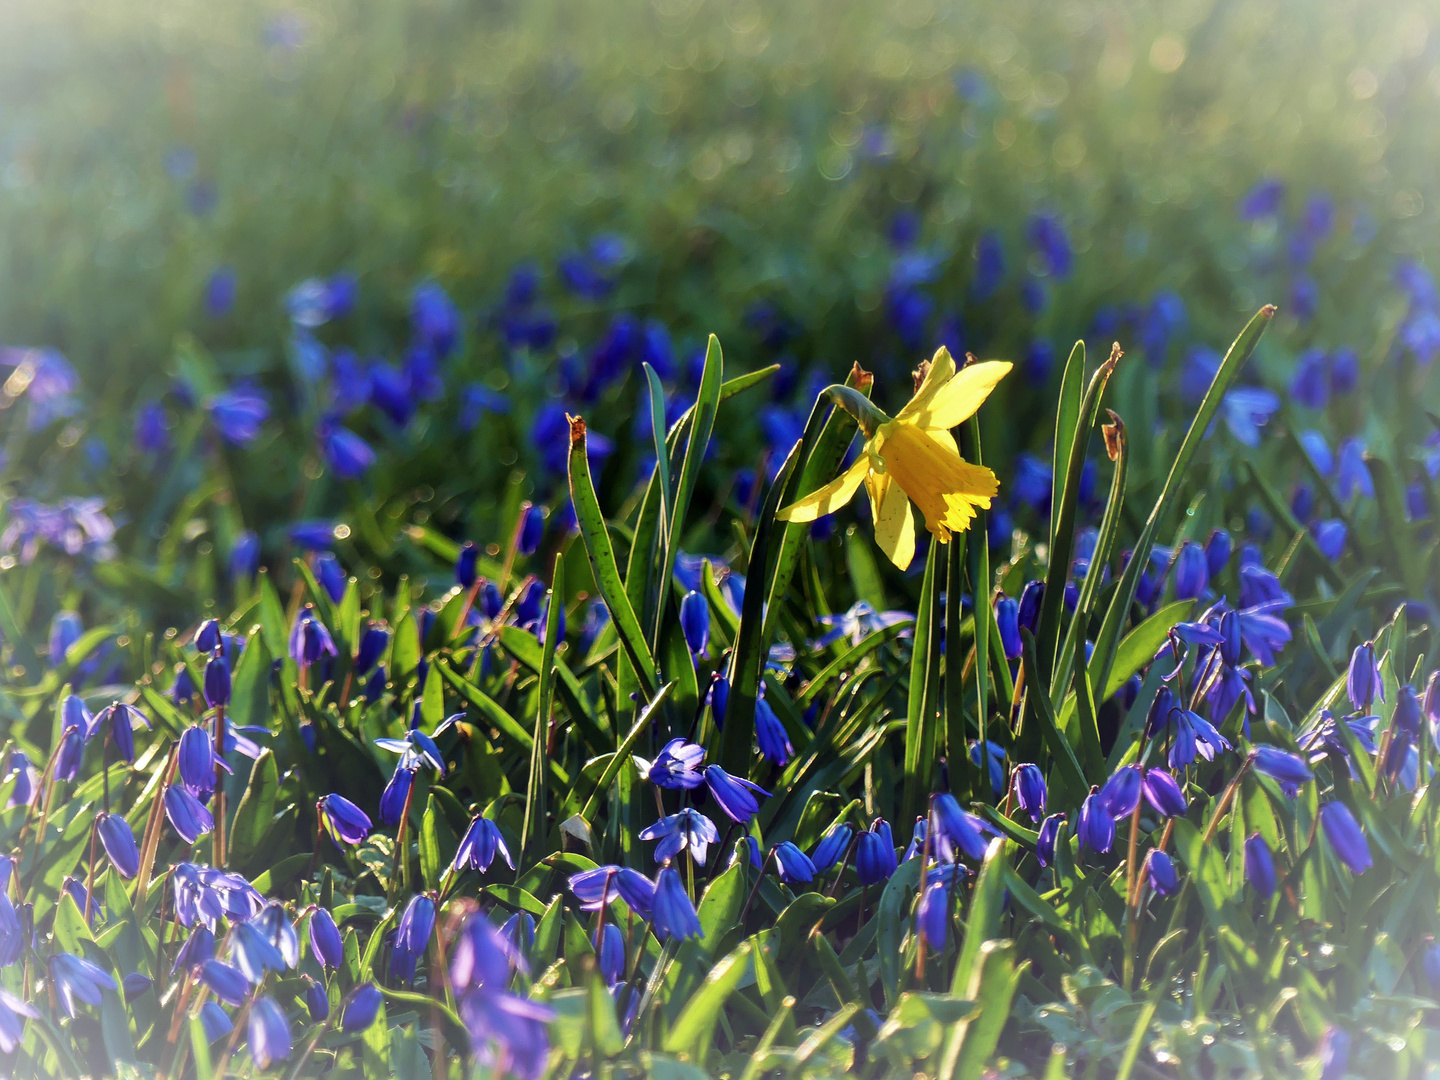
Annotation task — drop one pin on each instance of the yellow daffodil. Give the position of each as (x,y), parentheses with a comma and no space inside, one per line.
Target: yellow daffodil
(913,458)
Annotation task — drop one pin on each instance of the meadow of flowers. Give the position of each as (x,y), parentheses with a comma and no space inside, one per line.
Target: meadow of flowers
(706,541)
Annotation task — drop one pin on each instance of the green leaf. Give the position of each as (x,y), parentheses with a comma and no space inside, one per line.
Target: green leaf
(537,790)
(849,660)
(894,908)
(1063,511)
(70,928)
(702,423)
(1139,646)
(986,906)
(693,1028)
(720,906)
(622,754)
(604,1028)
(1119,610)
(437,843)
(922,727)
(973,1041)
(492,713)
(596,537)
(820,467)
(250,689)
(115,1027)
(255,812)
(1066,762)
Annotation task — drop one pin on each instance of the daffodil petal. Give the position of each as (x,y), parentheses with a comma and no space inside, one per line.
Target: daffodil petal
(895,524)
(942,370)
(829,498)
(944,486)
(956,401)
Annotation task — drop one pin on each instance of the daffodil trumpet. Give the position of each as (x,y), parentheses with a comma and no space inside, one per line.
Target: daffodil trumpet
(912,457)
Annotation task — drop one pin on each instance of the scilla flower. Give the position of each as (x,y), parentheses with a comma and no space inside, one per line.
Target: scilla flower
(913,458)
(478,848)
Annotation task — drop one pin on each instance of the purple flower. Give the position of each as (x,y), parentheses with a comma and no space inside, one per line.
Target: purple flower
(479,846)
(695,622)
(831,848)
(78,981)
(217,682)
(347,823)
(245,556)
(1047,236)
(1280,765)
(346,453)
(227,983)
(309,640)
(1097,826)
(238,415)
(1217,552)
(1364,682)
(269,1033)
(1192,573)
(958,827)
(1310,384)
(1346,839)
(1160,873)
(875,854)
(1334,1053)
(688,829)
(677,766)
(1259,866)
(770,734)
(932,914)
(794,865)
(412,937)
(672,914)
(1352,475)
(119,844)
(361,1009)
(1049,833)
(606,884)
(120,719)
(736,797)
(187,816)
(1263,200)
(13,1012)
(1028,784)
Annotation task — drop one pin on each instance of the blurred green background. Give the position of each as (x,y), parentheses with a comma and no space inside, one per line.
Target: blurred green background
(743,149)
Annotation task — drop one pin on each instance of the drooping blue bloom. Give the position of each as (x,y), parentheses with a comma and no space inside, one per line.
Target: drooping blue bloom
(1259,866)
(1192,571)
(412,937)
(1280,765)
(309,640)
(1364,682)
(1310,383)
(479,846)
(770,734)
(317,1002)
(152,429)
(989,270)
(135,984)
(677,766)
(72,750)
(1432,967)
(238,415)
(1163,793)
(1007,621)
(269,1033)
(687,829)
(252,951)
(390,393)
(736,797)
(373,643)
(831,848)
(1217,552)
(1121,792)
(1047,236)
(325,940)
(78,981)
(217,682)
(1334,1053)
(65,630)
(1049,833)
(610,952)
(1346,839)
(197,762)
(226,982)
(346,822)
(991,759)
(958,828)
(1160,873)
(1031,483)
(856,623)
(19,769)
(1317,449)
(695,622)
(215,1021)
(532,529)
(875,854)
(220,289)
(435,320)
(119,720)
(672,914)
(1097,826)
(1330,538)
(606,884)
(397,791)
(932,915)
(186,815)
(1352,475)
(361,1009)
(794,865)
(245,557)
(1031,597)
(1263,200)
(1344,372)
(346,453)
(119,844)
(1028,783)
(1246,409)
(1304,297)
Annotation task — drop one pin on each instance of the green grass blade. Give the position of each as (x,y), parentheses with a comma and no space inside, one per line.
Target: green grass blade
(596,537)
(1067,422)
(1108,638)
(537,789)
(922,722)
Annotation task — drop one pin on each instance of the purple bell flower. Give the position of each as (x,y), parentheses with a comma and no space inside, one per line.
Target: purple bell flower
(1028,784)
(269,1033)
(479,846)
(672,915)
(1346,839)
(1259,866)
(1160,873)
(736,797)
(348,824)
(875,854)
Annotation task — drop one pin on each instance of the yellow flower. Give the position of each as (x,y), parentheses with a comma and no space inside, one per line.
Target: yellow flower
(913,458)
